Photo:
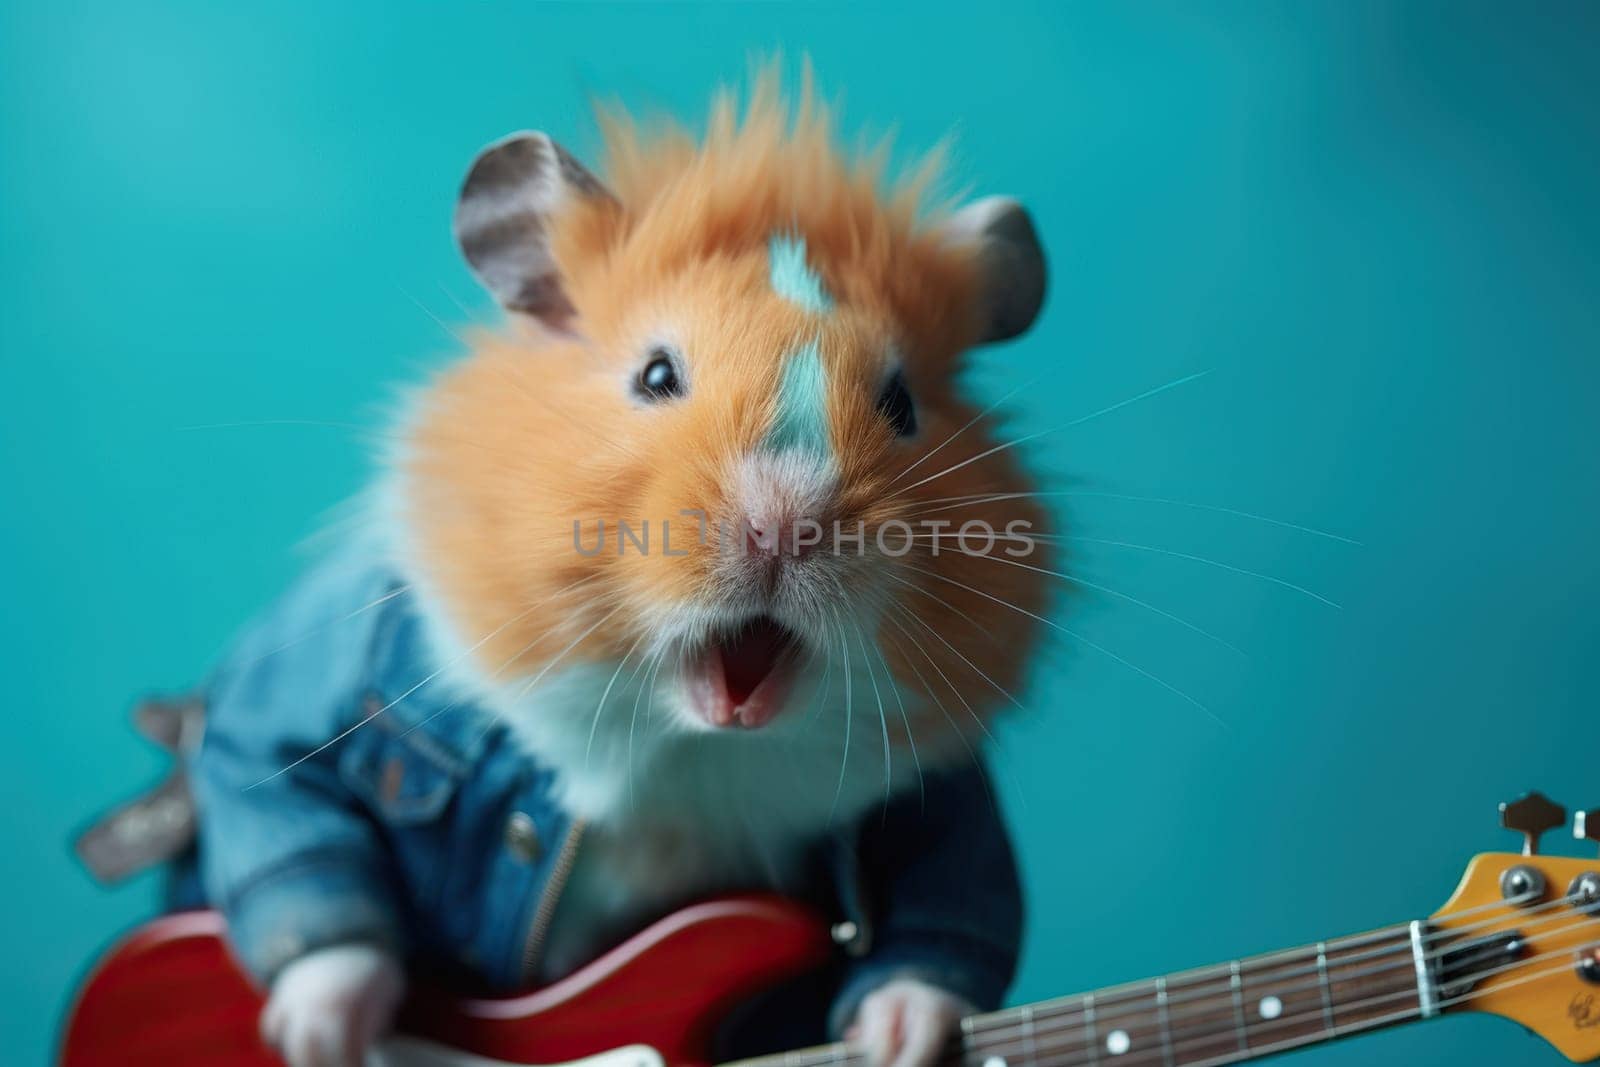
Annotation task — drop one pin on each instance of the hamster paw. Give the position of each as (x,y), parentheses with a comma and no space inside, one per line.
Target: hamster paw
(906,1023)
(328,1007)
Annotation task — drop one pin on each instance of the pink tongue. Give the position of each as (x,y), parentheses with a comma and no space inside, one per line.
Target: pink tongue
(749,656)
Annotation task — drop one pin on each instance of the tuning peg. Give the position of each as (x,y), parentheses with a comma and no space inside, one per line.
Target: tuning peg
(1531,816)
(1586,825)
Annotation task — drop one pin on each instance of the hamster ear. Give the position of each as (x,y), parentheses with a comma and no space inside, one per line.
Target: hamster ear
(514,188)
(1012,263)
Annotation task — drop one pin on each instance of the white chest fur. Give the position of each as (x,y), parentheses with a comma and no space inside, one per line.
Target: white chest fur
(677,810)
(677,813)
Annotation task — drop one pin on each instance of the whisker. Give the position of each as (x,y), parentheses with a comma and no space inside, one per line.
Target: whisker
(650,701)
(560,655)
(905,719)
(976,718)
(883,720)
(456,300)
(927,626)
(816,708)
(373,715)
(1058,538)
(509,375)
(508,661)
(531,645)
(1194,559)
(1083,640)
(606,692)
(949,719)
(647,665)
(1057,429)
(822,694)
(389,437)
(333,424)
(1097,587)
(953,503)
(329,625)
(457,335)
(927,690)
(633,721)
(844,760)
(965,427)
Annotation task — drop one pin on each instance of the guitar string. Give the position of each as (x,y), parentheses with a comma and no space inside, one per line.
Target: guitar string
(999,1044)
(1407,967)
(1203,975)
(999,1041)
(993,1034)
(1083,1057)
(1188,979)
(1235,1055)
(840,1054)
(1279,991)
(834,1053)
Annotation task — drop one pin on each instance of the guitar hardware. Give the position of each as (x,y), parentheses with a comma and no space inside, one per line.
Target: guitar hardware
(1585,892)
(1461,967)
(1589,966)
(1532,815)
(1523,885)
(1586,825)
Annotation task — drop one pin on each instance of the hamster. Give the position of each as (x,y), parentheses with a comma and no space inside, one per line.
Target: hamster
(709,531)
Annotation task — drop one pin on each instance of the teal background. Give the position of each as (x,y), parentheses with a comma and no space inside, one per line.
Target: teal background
(1375,224)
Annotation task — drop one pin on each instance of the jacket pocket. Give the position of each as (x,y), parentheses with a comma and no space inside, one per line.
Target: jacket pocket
(399,773)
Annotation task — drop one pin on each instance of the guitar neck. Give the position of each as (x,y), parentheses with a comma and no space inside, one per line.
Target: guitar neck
(1237,1011)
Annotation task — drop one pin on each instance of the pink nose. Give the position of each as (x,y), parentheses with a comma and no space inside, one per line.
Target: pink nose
(795,538)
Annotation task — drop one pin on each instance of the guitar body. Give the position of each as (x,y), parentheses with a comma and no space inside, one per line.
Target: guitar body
(171,995)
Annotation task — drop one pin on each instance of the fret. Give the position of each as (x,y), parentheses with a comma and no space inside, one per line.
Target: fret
(1236,995)
(1202,1018)
(972,1043)
(1090,1038)
(1211,1016)
(1282,1000)
(1322,983)
(1427,993)
(1164,1022)
(1372,979)
(1102,1026)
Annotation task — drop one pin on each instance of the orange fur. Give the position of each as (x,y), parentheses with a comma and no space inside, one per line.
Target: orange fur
(531,432)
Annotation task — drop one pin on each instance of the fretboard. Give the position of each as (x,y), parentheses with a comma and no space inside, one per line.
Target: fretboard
(1226,1014)
(1230,1013)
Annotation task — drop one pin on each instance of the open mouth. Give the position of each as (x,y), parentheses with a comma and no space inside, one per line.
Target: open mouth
(742,677)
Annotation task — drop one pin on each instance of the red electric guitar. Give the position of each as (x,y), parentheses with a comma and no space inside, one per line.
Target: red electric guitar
(1520,938)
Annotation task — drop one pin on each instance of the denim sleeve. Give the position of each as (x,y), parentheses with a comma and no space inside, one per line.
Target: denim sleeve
(286,850)
(942,895)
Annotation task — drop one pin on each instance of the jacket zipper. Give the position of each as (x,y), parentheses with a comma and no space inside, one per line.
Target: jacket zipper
(559,870)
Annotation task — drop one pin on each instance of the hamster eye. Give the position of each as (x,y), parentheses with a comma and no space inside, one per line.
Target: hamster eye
(659,380)
(894,404)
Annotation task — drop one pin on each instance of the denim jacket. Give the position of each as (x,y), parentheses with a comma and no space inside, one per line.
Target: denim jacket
(427,829)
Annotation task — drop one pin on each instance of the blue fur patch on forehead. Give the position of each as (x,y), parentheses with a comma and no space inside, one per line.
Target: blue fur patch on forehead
(792,277)
(801,424)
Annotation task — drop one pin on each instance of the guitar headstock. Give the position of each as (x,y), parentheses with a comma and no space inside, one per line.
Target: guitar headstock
(1520,937)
